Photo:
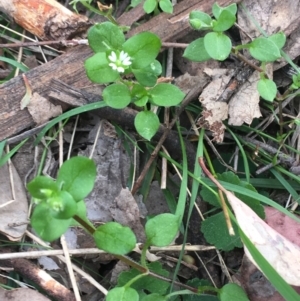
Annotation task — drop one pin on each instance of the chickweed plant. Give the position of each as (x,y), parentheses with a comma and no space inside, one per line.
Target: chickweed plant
(130,71)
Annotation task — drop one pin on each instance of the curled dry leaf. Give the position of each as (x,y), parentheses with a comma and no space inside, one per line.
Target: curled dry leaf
(13,206)
(281,253)
(214,112)
(244,105)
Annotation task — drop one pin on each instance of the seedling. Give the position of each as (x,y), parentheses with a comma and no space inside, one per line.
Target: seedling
(132,71)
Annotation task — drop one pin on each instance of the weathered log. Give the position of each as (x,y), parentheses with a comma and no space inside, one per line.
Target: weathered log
(69,67)
(46,19)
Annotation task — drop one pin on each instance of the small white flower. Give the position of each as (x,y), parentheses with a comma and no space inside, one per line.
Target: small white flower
(121,62)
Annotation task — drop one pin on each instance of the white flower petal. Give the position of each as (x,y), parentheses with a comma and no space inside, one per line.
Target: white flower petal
(120,69)
(113,65)
(123,55)
(126,62)
(113,56)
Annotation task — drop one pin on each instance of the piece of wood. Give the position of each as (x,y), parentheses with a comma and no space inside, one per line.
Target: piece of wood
(46,19)
(29,270)
(69,67)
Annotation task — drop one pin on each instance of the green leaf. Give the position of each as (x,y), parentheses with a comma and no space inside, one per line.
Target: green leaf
(217,45)
(278,39)
(14,63)
(114,238)
(230,177)
(224,22)
(264,50)
(139,95)
(253,203)
(154,297)
(122,294)
(98,70)
(216,233)
(5,158)
(63,205)
(149,6)
(148,283)
(196,51)
(200,20)
(77,176)
(146,124)
(209,197)
(232,292)
(135,3)
(267,89)
(117,96)
(148,75)
(143,49)
(217,10)
(166,95)
(145,77)
(166,6)
(46,226)
(105,36)
(162,229)
(42,187)
(142,101)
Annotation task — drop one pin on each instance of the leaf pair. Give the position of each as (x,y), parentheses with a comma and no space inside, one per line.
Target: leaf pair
(58,201)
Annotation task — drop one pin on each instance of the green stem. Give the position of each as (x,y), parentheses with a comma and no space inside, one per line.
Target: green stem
(143,255)
(188,292)
(89,228)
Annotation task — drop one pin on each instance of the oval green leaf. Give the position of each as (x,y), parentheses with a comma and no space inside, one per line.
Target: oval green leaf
(77,176)
(145,77)
(166,95)
(117,96)
(204,18)
(278,39)
(149,6)
(98,70)
(143,49)
(232,292)
(264,50)
(105,36)
(162,229)
(217,45)
(45,225)
(148,75)
(146,124)
(166,6)
(114,238)
(135,3)
(267,89)
(196,51)
(224,22)
(217,9)
(122,294)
